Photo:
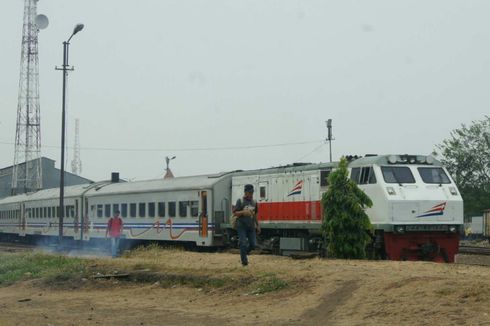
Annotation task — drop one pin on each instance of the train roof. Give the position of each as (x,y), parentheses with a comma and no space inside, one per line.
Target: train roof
(353,161)
(292,168)
(397,158)
(70,191)
(171,184)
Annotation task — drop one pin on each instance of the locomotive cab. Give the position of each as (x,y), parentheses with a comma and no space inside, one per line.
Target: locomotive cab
(417,211)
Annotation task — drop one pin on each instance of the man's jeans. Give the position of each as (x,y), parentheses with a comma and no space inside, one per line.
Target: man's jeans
(244,233)
(115,246)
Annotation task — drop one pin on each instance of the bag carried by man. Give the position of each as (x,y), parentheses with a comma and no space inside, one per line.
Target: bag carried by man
(234,218)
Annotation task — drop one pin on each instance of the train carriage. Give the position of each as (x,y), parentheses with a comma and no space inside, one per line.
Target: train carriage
(182,209)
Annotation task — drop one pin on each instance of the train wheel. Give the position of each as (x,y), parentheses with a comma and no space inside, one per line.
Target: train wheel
(444,256)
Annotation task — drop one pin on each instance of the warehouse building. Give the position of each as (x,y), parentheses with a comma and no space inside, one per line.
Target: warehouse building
(50,177)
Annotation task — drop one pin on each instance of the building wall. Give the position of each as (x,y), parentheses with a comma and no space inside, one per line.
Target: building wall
(50,174)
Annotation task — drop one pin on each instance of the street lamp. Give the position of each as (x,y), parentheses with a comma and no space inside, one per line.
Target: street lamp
(65,68)
(169,173)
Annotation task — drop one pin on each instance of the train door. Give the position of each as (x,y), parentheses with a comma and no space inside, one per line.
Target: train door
(203,216)
(22,219)
(84,232)
(76,221)
(262,199)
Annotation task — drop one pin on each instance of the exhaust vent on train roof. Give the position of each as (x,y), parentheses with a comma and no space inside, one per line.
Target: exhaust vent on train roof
(351,158)
(115,177)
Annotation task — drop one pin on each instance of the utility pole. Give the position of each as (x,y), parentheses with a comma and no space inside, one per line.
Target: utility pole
(65,68)
(329,137)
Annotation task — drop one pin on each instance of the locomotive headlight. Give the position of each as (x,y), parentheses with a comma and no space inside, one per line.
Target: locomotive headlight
(453,229)
(391,191)
(453,191)
(430,159)
(399,229)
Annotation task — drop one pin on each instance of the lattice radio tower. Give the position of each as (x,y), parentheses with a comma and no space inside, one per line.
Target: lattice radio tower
(26,175)
(76,163)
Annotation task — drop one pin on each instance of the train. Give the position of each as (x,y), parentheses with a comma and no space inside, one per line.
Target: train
(417,210)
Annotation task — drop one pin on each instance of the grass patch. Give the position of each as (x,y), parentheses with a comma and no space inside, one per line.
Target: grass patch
(71,272)
(152,249)
(268,282)
(179,279)
(445,291)
(53,268)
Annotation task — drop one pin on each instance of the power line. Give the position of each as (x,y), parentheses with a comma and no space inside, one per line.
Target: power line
(190,149)
(314,150)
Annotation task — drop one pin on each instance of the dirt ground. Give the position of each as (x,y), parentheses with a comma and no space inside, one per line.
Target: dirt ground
(320,292)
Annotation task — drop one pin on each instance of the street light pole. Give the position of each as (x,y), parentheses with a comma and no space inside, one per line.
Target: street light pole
(65,70)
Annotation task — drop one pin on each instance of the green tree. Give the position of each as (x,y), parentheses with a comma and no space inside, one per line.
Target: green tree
(345,223)
(466,155)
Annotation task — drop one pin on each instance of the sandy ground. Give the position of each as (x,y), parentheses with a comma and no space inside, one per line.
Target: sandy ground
(320,292)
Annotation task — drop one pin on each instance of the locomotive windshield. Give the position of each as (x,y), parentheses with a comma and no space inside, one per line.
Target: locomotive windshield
(434,175)
(397,174)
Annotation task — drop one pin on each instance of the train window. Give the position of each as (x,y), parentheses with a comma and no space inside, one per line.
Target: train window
(354,174)
(55,211)
(142,210)
(49,212)
(434,175)
(115,208)
(41,212)
(161,209)
(364,177)
(324,178)
(124,210)
(45,210)
(194,208)
(58,211)
(132,210)
(397,174)
(367,175)
(171,209)
(70,211)
(100,210)
(151,209)
(183,208)
(107,210)
(262,192)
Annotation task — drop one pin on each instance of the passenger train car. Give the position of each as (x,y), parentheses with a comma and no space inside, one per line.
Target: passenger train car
(417,211)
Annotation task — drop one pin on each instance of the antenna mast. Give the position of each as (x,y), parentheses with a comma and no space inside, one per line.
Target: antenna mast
(76,163)
(26,175)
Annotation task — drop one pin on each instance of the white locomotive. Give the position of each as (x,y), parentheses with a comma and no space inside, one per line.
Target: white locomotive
(417,210)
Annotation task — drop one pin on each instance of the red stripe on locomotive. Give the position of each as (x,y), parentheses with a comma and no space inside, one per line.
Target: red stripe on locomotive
(291,211)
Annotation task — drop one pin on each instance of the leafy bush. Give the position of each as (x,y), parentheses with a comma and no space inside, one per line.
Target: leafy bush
(345,223)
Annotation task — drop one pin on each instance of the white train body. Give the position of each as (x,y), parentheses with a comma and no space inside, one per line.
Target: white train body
(416,206)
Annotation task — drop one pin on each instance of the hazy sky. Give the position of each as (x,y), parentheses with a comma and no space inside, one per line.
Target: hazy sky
(155,78)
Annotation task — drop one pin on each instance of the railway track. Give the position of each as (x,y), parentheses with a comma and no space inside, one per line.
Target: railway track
(15,247)
(473,250)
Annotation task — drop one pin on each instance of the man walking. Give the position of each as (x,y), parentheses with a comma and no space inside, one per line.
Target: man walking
(246,210)
(114,230)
